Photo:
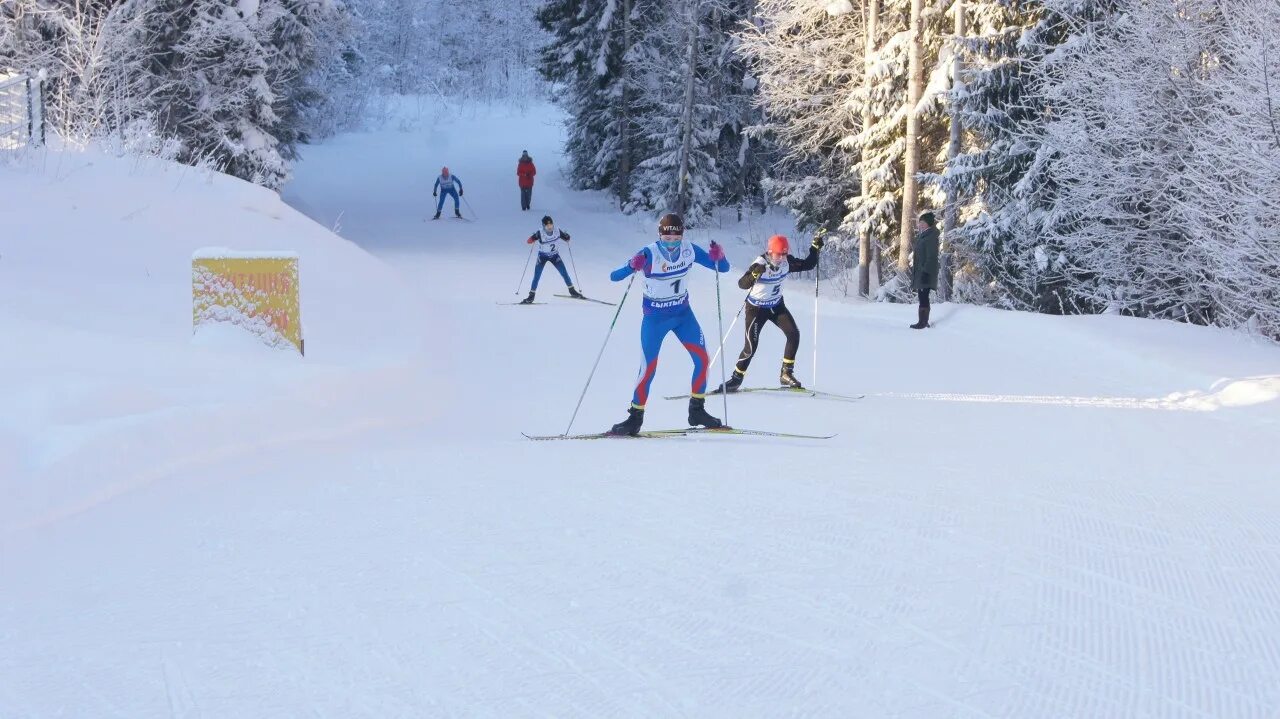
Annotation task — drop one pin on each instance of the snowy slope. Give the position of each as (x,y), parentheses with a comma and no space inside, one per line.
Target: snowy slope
(1027,516)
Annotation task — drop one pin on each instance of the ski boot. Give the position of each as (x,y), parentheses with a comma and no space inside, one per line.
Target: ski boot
(788,377)
(528,300)
(698,414)
(732,384)
(630,426)
(456,213)
(575,294)
(437,215)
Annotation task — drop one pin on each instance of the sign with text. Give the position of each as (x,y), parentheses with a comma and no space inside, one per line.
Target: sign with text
(254,290)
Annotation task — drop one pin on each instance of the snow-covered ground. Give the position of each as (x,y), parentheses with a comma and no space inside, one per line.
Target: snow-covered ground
(1027,516)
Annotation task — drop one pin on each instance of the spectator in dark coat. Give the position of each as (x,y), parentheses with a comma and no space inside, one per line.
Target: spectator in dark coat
(924,266)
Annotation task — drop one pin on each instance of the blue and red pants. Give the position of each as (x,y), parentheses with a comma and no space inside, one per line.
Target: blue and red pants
(653,330)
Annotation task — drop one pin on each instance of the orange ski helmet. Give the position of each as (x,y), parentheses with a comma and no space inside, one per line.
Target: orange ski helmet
(778,245)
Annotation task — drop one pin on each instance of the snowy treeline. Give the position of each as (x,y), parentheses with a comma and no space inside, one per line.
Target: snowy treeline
(240,84)
(661,103)
(1085,155)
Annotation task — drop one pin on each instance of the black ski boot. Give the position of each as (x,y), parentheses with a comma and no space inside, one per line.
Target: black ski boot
(437,215)
(456,213)
(732,384)
(698,416)
(630,426)
(528,300)
(923,318)
(576,294)
(788,377)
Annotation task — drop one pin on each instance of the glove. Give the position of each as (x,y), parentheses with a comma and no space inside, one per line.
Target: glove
(637,262)
(433,193)
(564,235)
(818,242)
(756,271)
(461,193)
(532,239)
(715,253)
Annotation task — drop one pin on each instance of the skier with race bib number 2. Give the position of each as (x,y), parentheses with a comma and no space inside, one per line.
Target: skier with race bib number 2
(548,240)
(666,264)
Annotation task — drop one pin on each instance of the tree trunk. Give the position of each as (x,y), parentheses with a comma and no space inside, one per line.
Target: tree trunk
(911,155)
(872,24)
(686,141)
(953,151)
(624,113)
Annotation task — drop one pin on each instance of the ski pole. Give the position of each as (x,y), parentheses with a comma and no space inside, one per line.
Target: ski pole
(728,332)
(470,209)
(526,269)
(597,364)
(720,327)
(816,276)
(575,265)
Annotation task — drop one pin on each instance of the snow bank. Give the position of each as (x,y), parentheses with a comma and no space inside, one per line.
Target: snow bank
(96,315)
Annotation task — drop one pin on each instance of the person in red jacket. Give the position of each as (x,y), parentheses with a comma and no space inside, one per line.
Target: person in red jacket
(525,171)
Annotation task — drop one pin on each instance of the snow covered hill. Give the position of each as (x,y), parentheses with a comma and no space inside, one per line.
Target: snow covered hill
(1026,516)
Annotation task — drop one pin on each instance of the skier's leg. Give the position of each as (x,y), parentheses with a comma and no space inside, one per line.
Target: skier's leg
(440,202)
(690,335)
(751,338)
(689,332)
(653,329)
(564,271)
(456,201)
(537,273)
(781,317)
(787,323)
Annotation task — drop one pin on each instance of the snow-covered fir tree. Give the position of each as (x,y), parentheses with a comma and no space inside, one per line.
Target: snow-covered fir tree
(588,56)
(807,61)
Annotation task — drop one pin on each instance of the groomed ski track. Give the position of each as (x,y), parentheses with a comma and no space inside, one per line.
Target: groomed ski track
(1095,534)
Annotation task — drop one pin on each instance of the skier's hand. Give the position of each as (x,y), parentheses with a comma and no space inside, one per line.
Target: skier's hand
(532,239)
(637,262)
(756,271)
(716,253)
(818,242)
(564,235)
(433,193)
(461,193)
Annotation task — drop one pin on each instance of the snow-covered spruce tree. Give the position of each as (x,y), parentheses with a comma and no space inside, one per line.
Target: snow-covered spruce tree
(590,57)
(744,155)
(693,106)
(342,75)
(1166,193)
(1000,185)
(223,111)
(808,61)
(1235,166)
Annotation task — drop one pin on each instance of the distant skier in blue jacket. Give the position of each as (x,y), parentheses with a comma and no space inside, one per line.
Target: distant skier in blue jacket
(447,185)
(665,264)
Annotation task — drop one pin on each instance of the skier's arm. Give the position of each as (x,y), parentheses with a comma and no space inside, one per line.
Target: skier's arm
(808,263)
(750,276)
(701,257)
(625,271)
(436,188)
(564,235)
(455,179)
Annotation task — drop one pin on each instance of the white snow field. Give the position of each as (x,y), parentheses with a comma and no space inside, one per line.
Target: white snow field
(1026,516)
